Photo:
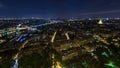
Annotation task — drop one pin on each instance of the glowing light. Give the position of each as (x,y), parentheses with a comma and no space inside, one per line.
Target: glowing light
(15,64)
(100,22)
(23,45)
(53,37)
(110,64)
(58,64)
(16,56)
(67,36)
(105,54)
(92,54)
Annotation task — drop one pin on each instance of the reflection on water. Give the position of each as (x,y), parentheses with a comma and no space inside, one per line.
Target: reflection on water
(15,64)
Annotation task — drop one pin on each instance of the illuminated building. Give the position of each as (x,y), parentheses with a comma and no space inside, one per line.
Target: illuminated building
(100,22)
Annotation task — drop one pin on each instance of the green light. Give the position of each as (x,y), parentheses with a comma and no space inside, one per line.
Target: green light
(110,64)
(85,64)
(105,54)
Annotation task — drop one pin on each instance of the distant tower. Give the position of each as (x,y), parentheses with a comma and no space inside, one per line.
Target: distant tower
(100,22)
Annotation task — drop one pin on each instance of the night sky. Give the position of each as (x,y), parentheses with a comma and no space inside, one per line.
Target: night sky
(59,8)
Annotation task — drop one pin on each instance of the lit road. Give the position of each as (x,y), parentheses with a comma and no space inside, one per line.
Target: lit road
(101,39)
(53,37)
(16,57)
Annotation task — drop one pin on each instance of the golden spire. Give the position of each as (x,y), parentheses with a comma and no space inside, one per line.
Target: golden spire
(100,22)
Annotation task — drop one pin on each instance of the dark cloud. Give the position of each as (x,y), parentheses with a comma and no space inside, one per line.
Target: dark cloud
(50,8)
(101,12)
